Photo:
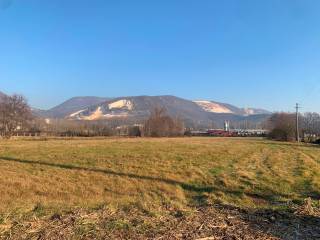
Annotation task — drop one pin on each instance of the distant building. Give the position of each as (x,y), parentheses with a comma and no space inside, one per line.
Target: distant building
(226,126)
(228,132)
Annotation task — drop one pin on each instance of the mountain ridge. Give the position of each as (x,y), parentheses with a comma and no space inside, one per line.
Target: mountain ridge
(71,105)
(95,108)
(218,107)
(138,108)
(135,109)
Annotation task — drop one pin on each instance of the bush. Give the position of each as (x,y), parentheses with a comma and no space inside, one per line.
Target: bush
(280,135)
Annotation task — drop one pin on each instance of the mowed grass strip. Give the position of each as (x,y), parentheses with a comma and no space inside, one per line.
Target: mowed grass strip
(153,174)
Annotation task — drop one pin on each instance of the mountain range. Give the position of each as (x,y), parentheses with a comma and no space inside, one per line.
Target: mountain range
(138,108)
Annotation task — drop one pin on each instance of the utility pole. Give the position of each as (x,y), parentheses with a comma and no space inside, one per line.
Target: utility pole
(297,123)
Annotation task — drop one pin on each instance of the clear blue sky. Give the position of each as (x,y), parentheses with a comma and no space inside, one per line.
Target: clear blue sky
(260,53)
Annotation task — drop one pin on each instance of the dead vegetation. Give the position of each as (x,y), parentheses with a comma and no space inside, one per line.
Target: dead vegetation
(159,189)
(208,222)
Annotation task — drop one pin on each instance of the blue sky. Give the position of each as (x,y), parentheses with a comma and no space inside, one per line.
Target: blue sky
(259,53)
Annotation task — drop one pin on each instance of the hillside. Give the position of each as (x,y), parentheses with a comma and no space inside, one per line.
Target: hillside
(140,107)
(70,106)
(135,109)
(93,108)
(216,107)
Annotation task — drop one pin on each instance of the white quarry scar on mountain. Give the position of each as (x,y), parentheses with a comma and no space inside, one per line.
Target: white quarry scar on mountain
(249,111)
(97,115)
(76,113)
(213,107)
(123,103)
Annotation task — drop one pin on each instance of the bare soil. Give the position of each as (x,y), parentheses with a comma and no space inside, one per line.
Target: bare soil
(205,223)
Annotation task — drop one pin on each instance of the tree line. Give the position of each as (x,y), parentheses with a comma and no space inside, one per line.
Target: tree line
(282,126)
(16,118)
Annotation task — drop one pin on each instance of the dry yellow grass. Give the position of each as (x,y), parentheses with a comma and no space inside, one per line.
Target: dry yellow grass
(154,174)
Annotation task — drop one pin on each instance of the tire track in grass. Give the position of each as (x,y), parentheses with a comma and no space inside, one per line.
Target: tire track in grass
(308,183)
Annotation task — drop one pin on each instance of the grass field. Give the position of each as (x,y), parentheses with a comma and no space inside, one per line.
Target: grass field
(153,176)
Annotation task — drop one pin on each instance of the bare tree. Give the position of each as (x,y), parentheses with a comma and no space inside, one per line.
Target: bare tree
(15,115)
(160,124)
(311,126)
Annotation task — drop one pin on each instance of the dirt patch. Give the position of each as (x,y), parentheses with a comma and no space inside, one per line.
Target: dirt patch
(209,222)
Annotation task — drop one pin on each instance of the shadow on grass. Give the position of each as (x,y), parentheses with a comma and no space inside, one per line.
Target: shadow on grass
(185,186)
(199,196)
(284,225)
